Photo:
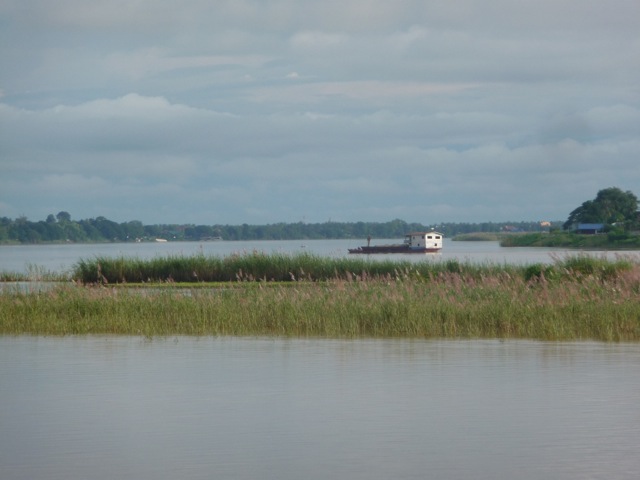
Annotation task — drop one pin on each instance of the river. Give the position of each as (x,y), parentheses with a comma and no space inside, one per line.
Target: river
(61,258)
(245,408)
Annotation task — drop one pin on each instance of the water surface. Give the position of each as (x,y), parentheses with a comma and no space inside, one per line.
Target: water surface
(235,408)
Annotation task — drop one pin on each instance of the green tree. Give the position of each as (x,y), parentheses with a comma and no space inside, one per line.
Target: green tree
(109,229)
(63,216)
(91,233)
(610,206)
(132,230)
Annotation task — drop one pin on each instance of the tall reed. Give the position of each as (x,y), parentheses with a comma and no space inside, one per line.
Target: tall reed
(451,301)
(258,266)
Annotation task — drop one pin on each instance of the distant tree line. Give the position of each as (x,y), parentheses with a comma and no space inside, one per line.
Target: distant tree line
(61,228)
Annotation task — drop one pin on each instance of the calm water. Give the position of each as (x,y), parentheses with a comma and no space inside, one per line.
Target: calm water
(230,408)
(60,258)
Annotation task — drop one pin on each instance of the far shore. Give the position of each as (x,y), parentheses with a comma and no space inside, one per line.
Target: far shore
(603,241)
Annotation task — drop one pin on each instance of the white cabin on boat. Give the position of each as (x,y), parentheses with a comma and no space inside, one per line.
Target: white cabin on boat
(421,241)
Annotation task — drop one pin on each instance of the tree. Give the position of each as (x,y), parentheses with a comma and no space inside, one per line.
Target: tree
(109,229)
(133,229)
(610,206)
(63,216)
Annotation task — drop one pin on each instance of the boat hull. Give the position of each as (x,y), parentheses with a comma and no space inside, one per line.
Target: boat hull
(391,249)
(414,242)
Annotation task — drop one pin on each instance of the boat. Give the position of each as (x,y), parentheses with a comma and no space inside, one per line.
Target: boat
(414,242)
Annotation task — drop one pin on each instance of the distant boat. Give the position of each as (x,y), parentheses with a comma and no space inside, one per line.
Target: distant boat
(161,240)
(415,242)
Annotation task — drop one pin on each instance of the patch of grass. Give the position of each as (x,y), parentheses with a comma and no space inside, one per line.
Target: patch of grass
(572,240)
(583,299)
(257,266)
(478,237)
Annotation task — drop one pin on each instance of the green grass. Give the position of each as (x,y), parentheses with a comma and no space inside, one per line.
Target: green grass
(609,241)
(478,237)
(261,267)
(575,298)
(258,266)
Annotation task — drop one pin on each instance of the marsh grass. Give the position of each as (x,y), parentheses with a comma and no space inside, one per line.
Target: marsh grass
(261,267)
(569,300)
(610,241)
(255,266)
(479,237)
(258,266)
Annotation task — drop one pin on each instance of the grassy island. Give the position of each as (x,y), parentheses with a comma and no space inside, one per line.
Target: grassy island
(604,241)
(304,295)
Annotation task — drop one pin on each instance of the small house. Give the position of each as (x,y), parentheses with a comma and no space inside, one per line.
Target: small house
(589,228)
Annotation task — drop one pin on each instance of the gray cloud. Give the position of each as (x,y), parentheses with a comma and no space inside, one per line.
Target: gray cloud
(255,112)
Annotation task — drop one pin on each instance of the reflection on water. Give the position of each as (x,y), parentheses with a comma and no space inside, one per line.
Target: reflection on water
(123,407)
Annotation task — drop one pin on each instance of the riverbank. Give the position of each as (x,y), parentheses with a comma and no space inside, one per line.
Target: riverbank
(577,298)
(604,241)
(479,237)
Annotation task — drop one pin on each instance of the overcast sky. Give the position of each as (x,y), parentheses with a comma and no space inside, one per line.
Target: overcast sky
(264,111)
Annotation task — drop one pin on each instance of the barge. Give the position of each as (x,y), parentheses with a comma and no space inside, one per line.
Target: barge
(415,242)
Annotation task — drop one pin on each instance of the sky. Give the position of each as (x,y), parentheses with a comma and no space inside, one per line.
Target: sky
(265,111)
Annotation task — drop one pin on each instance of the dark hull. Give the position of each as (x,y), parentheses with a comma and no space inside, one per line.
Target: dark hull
(391,249)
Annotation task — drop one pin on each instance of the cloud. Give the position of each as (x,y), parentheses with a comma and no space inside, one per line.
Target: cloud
(317,40)
(70,182)
(132,145)
(247,111)
(150,62)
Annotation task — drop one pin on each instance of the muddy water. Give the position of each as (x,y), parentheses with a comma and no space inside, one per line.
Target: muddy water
(235,408)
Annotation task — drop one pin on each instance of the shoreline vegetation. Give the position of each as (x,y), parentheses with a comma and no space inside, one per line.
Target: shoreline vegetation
(570,240)
(574,298)
(62,229)
(601,241)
